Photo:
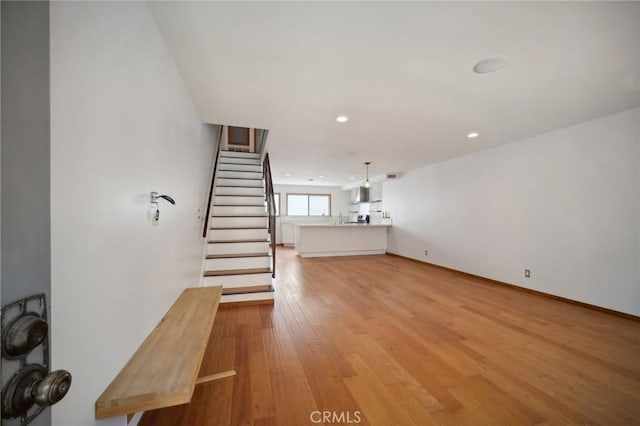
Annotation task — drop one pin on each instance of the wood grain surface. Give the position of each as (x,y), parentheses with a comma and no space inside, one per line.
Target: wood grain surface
(405,343)
(164,369)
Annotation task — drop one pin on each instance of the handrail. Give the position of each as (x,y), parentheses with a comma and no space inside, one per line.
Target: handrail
(213,181)
(261,140)
(271,209)
(263,144)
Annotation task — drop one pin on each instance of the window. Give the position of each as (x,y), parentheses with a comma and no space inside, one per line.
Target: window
(308,204)
(297,205)
(276,196)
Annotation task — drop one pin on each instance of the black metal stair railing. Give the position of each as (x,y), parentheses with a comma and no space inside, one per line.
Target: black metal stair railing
(271,209)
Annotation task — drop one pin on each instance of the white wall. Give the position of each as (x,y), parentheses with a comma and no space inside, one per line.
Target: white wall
(339,203)
(565,204)
(122,125)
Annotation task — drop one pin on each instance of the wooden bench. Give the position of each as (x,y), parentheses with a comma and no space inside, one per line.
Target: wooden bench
(164,370)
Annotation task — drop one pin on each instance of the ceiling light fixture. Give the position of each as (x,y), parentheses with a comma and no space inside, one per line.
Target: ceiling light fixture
(472,135)
(342,119)
(287,174)
(491,64)
(351,177)
(367,184)
(320,177)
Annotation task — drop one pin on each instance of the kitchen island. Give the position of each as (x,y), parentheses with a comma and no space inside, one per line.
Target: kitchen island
(327,239)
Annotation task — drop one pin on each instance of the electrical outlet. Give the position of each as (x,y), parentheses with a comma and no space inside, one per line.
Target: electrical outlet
(426,252)
(527,273)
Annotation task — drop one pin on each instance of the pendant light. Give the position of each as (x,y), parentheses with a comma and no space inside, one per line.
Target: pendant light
(367,184)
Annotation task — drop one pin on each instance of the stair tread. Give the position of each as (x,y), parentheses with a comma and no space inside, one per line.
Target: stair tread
(233,255)
(239,178)
(239,205)
(248,289)
(247,271)
(237,186)
(241,164)
(238,241)
(239,152)
(239,195)
(221,228)
(239,215)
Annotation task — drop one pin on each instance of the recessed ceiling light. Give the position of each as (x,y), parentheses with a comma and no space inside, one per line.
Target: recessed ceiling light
(351,177)
(491,64)
(321,177)
(472,135)
(287,174)
(342,119)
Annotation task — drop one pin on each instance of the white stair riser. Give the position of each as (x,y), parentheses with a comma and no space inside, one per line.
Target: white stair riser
(241,191)
(239,182)
(238,154)
(238,210)
(247,280)
(235,222)
(235,161)
(238,234)
(248,297)
(237,200)
(237,263)
(242,175)
(233,248)
(223,167)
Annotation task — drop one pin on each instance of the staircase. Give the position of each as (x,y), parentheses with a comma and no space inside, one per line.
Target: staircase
(239,254)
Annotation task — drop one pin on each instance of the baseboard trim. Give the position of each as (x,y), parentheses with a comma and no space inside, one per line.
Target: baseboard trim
(490,281)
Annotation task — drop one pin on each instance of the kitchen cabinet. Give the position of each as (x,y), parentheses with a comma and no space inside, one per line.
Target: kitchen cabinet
(288,238)
(326,239)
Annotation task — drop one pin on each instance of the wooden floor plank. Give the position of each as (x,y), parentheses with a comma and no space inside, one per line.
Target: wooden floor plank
(407,343)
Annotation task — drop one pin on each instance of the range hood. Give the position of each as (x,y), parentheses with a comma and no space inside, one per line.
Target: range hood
(363,194)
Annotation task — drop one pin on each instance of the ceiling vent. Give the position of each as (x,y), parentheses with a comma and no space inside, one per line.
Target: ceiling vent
(393,175)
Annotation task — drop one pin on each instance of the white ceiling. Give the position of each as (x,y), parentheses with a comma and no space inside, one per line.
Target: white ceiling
(402,74)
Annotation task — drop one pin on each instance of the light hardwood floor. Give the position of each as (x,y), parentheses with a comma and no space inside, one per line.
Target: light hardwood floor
(405,343)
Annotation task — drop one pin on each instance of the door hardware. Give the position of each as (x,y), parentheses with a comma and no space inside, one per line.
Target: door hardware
(23,334)
(25,344)
(32,385)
